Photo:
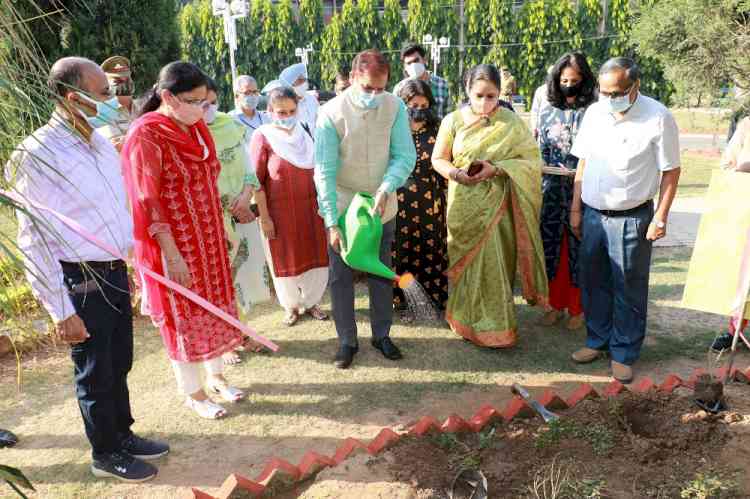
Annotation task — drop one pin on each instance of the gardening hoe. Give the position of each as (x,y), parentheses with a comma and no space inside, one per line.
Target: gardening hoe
(546,415)
(741,304)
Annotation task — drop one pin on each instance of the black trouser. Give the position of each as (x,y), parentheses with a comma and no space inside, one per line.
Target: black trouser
(101,298)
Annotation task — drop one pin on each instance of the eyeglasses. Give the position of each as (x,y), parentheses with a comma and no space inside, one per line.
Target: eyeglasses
(201,103)
(615,95)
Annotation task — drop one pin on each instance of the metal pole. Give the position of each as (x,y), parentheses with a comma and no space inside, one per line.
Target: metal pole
(461,40)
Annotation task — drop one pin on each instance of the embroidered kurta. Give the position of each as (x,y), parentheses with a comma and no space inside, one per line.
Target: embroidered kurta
(421,243)
(171,177)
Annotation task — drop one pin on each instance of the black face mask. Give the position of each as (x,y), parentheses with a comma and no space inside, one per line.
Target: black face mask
(571,91)
(420,115)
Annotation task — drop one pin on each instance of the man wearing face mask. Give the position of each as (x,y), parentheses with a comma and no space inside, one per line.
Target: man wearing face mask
(295,76)
(247,98)
(114,123)
(362,144)
(69,167)
(413,58)
(629,151)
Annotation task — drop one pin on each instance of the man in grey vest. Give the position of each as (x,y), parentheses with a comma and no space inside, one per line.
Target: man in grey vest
(363,143)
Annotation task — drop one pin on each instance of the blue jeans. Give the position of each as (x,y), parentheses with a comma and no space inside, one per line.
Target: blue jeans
(615,264)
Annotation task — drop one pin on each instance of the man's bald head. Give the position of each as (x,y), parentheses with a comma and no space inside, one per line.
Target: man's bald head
(70,74)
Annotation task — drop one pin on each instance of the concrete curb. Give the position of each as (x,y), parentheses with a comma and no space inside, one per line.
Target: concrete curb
(280,476)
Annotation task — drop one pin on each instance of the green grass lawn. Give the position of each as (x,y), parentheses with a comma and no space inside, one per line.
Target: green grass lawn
(298,401)
(696,174)
(701,121)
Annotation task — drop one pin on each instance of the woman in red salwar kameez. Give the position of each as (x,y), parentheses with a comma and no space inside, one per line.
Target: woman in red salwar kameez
(171,170)
(283,156)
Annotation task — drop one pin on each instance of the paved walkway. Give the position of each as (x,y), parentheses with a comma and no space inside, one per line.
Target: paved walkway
(684,218)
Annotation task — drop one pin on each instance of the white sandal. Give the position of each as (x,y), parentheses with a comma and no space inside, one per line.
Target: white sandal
(205,408)
(227,393)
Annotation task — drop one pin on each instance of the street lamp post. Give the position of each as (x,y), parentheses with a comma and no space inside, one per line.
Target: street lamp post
(304,53)
(230,11)
(435,46)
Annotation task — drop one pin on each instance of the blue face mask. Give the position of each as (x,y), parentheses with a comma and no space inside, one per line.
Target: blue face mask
(250,102)
(369,100)
(107,112)
(285,123)
(617,104)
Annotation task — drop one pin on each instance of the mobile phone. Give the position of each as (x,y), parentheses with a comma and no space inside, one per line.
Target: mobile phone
(255,210)
(474,168)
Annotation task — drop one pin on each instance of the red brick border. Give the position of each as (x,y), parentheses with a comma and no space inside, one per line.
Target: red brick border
(279,475)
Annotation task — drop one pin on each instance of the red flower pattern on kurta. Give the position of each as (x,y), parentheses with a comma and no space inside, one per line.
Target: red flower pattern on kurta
(171,177)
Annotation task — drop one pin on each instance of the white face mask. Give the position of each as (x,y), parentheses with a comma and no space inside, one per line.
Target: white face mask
(415,69)
(210,115)
(301,89)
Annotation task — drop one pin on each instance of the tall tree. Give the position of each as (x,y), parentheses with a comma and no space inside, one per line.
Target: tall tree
(535,25)
(311,29)
(589,15)
(144,31)
(502,32)
(285,34)
(702,44)
(394,34)
(203,44)
(478,31)
(331,52)
(369,26)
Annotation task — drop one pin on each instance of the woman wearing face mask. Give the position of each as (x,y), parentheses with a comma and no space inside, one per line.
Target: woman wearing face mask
(421,239)
(570,90)
(237,183)
(171,169)
(494,199)
(283,155)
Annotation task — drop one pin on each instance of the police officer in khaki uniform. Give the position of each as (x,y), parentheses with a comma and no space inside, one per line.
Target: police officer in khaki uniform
(119,75)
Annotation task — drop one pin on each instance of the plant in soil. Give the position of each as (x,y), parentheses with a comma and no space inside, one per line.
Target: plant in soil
(710,485)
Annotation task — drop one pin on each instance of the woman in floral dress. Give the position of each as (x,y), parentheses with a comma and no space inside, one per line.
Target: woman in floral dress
(571,89)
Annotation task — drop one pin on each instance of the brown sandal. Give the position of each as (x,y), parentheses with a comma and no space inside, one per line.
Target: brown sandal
(317,314)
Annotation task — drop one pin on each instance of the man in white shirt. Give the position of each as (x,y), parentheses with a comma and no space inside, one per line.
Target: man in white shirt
(68,167)
(247,98)
(628,146)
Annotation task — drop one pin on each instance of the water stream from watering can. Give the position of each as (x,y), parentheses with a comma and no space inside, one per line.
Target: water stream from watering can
(419,303)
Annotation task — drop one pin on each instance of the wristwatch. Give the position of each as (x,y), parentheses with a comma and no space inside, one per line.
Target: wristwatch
(660,224)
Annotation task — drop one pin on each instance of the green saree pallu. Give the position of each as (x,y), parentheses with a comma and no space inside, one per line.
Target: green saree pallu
(493,228)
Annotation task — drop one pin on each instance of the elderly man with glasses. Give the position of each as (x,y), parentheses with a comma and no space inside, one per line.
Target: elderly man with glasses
(629,152)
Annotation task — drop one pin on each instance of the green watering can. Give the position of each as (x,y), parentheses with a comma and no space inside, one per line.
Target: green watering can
(362,232)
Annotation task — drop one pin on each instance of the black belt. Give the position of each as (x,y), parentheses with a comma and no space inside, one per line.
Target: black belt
(97,267)
(623,213)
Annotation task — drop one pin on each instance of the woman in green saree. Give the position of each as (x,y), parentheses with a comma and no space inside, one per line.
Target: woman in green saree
(237,183)
(494,200)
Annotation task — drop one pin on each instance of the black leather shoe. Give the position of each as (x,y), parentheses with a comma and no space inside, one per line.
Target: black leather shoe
(723,342)
(345,356)
(387,348)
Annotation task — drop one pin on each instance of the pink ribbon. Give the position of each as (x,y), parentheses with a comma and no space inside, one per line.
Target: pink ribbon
(245,329)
